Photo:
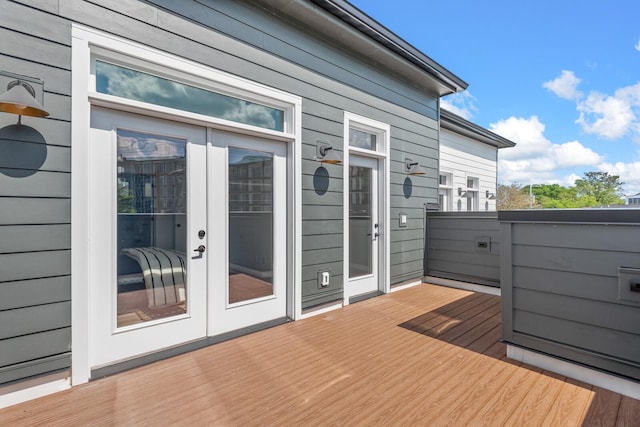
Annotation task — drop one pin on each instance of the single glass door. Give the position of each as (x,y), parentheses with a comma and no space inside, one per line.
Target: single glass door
(147,233)
(364,226)
(249,213)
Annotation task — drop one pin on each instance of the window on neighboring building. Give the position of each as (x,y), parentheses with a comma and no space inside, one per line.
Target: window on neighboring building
(445,191)
(473,185)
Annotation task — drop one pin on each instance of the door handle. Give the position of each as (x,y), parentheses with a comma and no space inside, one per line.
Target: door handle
(200,249)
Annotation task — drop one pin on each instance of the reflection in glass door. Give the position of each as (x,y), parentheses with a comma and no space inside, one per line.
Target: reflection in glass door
(250,225)
(151,227)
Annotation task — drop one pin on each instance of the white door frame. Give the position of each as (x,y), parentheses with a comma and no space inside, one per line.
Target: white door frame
(381,153)
(85,43)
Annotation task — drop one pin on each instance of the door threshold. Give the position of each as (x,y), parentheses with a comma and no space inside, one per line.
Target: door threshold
(365,296)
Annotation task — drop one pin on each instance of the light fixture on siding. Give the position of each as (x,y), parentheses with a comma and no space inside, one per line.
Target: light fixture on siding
(413,168)
(20,99)
(325,153)
(464,194)
(490,196)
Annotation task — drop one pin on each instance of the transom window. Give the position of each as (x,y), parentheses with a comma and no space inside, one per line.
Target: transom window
(127,83)
(362,139)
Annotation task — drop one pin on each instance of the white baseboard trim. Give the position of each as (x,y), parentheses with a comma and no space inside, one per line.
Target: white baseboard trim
(575,371)
(315,311)
(32,389)
(397,288)
(473,287)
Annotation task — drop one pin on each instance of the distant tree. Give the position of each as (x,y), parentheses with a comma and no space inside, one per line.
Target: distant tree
(604,188)
(554,196)
(512,197)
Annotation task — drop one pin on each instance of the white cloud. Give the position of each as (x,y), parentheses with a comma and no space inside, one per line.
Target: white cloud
(461,103)
(565,86)
(535,158)
(610,117)
(637,45)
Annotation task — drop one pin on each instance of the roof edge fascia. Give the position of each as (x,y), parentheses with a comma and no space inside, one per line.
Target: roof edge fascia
(455,123)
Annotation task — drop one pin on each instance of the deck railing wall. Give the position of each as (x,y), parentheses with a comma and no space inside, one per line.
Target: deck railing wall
(571,285)
(463,246)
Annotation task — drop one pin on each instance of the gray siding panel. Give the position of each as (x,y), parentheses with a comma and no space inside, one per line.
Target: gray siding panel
(34,292)
(17,154)
(19,210)
(35,346)
(34,368)
(40,50)
(39,184)
(563,289)
(34,265)
(29,320)
(453,252)
(29,238)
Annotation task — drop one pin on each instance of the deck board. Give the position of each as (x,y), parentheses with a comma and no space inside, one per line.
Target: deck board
(426,355)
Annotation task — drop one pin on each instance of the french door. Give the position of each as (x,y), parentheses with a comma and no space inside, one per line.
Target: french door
(364,226)
(248,217)
(147,235)
(188,234)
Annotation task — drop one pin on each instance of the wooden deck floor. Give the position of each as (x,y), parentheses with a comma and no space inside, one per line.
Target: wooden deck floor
(426,355)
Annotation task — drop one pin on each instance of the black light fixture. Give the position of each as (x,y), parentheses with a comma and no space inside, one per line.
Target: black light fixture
(325,153)
(490,196)
(413,168)
(464,194)
(20,99)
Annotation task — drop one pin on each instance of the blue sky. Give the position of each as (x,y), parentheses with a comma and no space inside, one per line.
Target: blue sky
(560,78)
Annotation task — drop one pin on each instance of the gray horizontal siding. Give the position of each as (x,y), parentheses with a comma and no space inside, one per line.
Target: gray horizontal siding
(34,292)
(560,290)
(452,253)
(35,209)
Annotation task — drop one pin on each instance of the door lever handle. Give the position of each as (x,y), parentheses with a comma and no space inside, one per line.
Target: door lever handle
(200,249)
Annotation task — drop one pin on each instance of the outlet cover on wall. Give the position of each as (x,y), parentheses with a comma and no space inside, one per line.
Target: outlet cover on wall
(324,278)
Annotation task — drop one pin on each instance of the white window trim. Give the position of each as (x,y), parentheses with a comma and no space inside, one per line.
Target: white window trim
(86,44)
(449,179)
(382,153)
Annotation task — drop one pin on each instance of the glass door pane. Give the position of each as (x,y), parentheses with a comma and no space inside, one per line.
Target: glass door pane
(151,227)
(250,225)
(360,221)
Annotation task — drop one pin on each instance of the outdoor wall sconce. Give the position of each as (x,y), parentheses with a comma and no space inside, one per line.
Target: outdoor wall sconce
(413,168)
(20,99)
(490,196)
(464,194)
(325,153)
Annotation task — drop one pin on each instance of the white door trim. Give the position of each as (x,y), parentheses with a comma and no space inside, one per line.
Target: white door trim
(383,148)
(85,41)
